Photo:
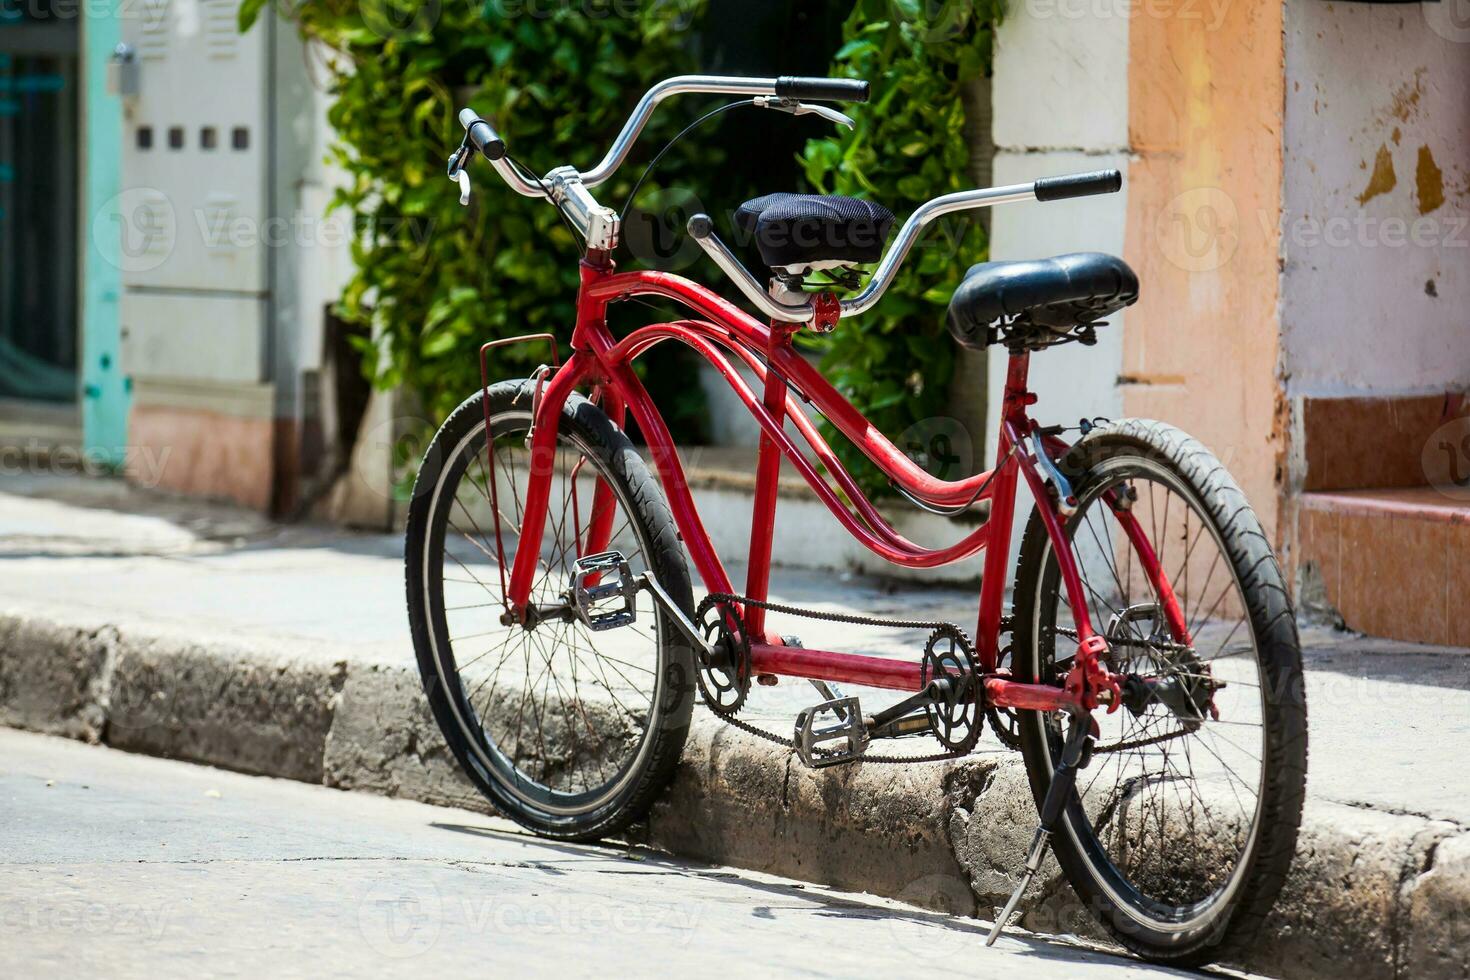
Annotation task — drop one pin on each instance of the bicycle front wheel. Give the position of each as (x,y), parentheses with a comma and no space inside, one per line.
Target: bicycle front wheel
(567,731)
(1180,832)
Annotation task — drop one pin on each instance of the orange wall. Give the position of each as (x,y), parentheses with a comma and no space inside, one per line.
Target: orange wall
(1204,204)
(205,454)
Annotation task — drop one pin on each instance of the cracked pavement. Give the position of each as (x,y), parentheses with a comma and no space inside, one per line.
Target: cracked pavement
(129,866)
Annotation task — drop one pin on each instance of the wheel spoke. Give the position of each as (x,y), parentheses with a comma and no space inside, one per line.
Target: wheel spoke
(1171,792)
(561,712)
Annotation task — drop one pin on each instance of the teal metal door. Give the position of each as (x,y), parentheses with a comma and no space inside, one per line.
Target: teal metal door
(38,200)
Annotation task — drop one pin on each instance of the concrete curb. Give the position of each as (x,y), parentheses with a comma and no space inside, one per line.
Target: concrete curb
(1372,894)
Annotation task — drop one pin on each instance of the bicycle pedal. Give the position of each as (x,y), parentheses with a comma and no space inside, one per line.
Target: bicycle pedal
(819,744)
(602,579)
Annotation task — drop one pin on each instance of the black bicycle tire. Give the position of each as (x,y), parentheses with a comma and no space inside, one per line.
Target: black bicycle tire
(1285,717)
(638,488)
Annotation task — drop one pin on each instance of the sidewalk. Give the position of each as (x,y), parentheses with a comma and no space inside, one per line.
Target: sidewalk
(201,632)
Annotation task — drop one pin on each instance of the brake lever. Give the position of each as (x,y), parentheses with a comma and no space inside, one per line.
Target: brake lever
(804,108)
(458,174)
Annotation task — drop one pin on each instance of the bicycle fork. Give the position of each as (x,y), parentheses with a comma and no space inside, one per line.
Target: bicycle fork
(1076,753)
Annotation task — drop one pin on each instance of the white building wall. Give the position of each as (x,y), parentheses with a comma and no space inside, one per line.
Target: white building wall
(324,251)
(1061,106)
(1061,77)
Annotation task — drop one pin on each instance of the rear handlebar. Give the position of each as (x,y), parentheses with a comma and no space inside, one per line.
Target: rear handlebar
(1078,185)
(701,229)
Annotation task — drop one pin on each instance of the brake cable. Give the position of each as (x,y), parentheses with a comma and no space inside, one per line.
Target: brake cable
(528,174)
(623,214)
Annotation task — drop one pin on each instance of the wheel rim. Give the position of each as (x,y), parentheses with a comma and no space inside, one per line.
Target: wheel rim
(1190,800)
(558,717)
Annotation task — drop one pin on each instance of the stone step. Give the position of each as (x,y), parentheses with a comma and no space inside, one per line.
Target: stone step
(1391,562)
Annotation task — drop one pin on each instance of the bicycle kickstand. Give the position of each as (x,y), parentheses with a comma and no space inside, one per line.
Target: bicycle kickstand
(1076,753)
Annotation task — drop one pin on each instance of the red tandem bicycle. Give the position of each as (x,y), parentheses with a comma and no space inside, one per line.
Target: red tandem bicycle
(1147,668)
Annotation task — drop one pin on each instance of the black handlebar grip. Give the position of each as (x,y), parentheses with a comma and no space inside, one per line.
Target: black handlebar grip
(822,89)
(1078,185)
(482,135)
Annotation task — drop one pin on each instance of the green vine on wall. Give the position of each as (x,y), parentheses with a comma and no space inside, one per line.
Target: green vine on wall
(896,363)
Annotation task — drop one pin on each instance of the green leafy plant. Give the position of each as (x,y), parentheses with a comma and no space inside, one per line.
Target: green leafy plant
(432,280)
(896,363)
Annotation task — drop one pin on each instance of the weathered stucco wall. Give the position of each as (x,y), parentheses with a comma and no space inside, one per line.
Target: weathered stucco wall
(1204,201)
(1376,282)
(1061,76)
(1061,106)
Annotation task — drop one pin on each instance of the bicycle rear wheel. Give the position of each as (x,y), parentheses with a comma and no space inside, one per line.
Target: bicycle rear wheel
(1179,834)
(567,731)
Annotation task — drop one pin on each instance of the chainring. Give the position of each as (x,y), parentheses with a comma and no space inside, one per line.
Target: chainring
(1005,723)
(722,685)
(955,720)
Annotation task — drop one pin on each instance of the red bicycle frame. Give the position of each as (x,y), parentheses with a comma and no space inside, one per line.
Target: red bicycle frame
(722,332)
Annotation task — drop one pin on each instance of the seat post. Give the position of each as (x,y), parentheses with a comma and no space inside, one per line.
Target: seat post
(767,485)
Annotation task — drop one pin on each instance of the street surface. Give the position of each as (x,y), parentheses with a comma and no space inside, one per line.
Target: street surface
(120,865)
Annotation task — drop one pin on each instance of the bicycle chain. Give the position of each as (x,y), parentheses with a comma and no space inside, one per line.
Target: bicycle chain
(936,626)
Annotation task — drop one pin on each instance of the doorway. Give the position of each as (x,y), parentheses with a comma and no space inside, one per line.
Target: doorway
(38,203)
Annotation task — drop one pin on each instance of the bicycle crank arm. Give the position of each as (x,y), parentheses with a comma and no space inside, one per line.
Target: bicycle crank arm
(1076,753)
(908,717)
(914,723)
(647,582)
(605,578)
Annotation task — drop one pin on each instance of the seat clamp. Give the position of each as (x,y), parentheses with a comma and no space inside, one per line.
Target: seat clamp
(828,310)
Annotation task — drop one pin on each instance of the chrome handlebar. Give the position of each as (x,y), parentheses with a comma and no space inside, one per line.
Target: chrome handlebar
(678,85)
(701,229)
(786,89)
(483,137)
(786,92)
